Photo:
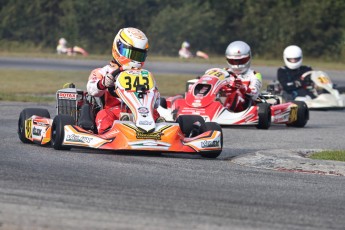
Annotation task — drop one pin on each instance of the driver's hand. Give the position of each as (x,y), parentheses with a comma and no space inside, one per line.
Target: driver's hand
(237,83)
(108,80)
(298,83)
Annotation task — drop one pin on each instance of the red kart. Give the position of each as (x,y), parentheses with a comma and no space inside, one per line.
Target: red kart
(205,97)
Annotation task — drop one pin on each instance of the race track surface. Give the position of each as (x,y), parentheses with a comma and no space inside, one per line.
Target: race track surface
(41,188)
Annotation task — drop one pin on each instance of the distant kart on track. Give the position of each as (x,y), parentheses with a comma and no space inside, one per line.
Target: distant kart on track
(204,98)
(327,95)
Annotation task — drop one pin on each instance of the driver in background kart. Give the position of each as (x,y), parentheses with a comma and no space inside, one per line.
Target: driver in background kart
(129,51)
(290,75)
(244,83)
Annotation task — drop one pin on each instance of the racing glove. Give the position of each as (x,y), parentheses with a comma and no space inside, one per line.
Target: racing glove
(109,79)
(237,83)
(298,83)
(106,82)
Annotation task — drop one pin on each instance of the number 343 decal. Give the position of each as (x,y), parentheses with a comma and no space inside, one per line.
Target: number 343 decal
(131,81)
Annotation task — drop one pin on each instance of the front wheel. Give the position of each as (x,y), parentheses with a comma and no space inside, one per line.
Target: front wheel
(302,115)
(213,126)
(24,115)
(190,125)
(58,131)
(264,113)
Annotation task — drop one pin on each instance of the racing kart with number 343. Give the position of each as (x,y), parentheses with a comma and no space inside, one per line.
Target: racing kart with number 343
(74,124)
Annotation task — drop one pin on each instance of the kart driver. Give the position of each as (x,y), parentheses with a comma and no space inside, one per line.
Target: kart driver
(184,52)
(62,47)
(290,75)
(129,51)
(246,82)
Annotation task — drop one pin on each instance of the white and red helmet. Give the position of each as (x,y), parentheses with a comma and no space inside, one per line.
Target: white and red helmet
(238,56)
(293,57)
(130,48)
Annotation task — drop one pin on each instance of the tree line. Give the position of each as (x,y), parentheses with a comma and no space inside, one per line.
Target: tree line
(268,26)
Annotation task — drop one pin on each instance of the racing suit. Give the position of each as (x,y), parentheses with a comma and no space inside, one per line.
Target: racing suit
(185,53)
(292,84)
(112,105)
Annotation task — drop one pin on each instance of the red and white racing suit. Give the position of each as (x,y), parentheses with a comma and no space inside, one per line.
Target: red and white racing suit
(112,109)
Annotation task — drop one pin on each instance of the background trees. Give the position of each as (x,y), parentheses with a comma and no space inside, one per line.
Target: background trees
(210,25)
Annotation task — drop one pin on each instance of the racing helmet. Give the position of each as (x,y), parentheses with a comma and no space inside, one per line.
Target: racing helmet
(130,47)
(62,41)
(185,45)
(293,57)
(238,56)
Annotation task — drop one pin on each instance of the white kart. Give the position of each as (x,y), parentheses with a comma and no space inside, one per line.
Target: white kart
(328,96)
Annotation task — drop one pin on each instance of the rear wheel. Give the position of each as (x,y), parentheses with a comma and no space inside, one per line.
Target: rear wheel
(216,127)
(187,124)
(264,113)
(58,131)
(25,114)
(302,115)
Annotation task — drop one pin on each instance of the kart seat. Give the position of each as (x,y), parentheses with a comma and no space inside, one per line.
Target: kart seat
(86,119)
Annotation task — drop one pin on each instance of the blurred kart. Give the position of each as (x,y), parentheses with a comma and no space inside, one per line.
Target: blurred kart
(205,98)
(74,125)
(70,51)
(326,94)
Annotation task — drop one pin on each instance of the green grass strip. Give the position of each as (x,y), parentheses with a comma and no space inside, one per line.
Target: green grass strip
(336,155)
(41,85)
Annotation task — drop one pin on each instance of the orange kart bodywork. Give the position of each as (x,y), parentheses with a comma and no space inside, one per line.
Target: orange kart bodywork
(124,135)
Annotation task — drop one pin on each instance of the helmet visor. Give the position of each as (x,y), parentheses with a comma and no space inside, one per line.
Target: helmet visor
(240,61)
(132,53)
(294,60)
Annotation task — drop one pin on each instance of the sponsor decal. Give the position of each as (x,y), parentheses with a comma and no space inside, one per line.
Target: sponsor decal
(293,114)
(133,72)
(38,123)
(143,110)
(208,144)
(249,117)
(68,96)
(145,122)
(36,131)
(144,73)
(79,139)
(277,112)
(196,104)
(28,130)
(205,79)
(154,135)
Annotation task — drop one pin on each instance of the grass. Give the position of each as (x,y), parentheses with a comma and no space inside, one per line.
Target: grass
(41,85)
(336,155)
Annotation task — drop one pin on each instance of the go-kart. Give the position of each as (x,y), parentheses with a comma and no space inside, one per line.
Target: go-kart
(325,94)
(204,97)
(136,130)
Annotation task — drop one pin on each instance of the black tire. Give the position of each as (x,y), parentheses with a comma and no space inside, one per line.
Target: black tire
(302,115)
(58,132)
(25,114)
(213,126)
(163,102)
(264,114)
(186,123)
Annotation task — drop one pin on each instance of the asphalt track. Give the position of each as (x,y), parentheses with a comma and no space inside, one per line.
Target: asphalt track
(41,188)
